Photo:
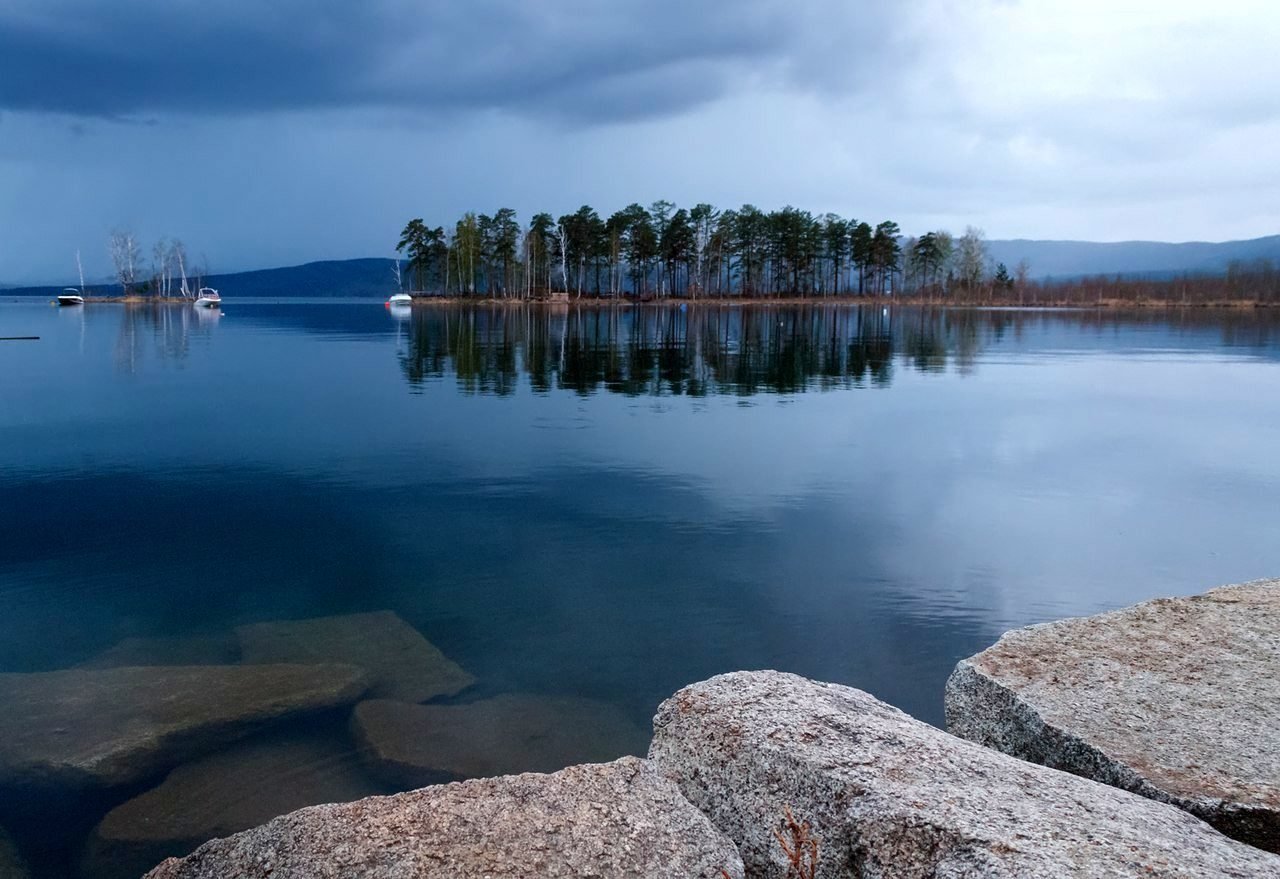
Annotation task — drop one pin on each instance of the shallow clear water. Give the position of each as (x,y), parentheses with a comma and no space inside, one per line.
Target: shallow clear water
(611,503)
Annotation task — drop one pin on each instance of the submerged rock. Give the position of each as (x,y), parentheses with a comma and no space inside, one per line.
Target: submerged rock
(413,745)
(1176,699)
(400,662)
(189,650)
(885,795)
(11,865)
(97,728)
(615,820)
(223,794)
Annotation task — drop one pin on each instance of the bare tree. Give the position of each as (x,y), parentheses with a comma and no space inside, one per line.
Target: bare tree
(1021,275)
(178,257)
(160,267)
(126,255)
(80,269)
(395,272)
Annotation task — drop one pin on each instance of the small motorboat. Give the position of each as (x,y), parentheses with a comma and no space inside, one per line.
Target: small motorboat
(70,296)
(208,298)
(400,299)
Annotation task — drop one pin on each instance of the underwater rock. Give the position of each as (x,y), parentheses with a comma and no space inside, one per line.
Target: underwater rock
(222,794)
(11,865)
(886,795)
(98,728)
(412,745)
(614,821)
(182,650)
(400,662)
(1176,699)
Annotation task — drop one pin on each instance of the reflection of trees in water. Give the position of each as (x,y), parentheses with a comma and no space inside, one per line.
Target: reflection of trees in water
(166,329)
(744,350)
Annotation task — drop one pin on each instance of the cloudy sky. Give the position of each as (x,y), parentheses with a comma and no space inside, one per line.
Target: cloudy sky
(273,133)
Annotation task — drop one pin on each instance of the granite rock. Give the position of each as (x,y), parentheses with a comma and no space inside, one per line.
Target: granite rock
(185,650)
(888,796)
(401,664)
(618,820)
(99,728)
(412,745)
(1176,699)
(224,793)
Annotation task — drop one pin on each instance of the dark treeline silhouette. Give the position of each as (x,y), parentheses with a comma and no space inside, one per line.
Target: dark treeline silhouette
(665,251)
(744,351)
(655,252)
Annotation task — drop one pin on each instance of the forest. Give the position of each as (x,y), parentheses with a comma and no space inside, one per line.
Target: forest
(668,252)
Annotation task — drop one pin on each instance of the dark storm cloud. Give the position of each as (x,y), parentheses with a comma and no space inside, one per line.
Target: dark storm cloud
(581,59)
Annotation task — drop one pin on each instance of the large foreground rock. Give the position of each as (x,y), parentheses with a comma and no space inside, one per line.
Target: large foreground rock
(99,728)
(400,662)
(11,865)
(1176,699)
(224,793)
(889,796)
(413,745)
(614,820)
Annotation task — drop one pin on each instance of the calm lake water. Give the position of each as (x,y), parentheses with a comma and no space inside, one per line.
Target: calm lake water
(610,503)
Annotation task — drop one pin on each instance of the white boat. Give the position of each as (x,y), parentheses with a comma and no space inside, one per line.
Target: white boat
(208,298)
(70,296)
(400,299)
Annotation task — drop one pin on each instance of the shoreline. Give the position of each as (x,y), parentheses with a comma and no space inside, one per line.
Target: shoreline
(736,302)
(848,302)
(128,300)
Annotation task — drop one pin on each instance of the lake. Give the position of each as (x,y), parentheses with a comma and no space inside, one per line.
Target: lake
(582,509)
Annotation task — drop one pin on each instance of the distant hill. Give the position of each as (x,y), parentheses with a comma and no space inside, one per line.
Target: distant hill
(1057,259)
(347,277)
(1048,259)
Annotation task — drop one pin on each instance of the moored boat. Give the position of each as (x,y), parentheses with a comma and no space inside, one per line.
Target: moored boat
(400,299)
(70,296)
(208,298)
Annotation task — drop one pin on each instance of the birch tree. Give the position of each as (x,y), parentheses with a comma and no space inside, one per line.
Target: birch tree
(126,256)
(160,271)
(562,240)
(704,217)
(971,257)
(178,257)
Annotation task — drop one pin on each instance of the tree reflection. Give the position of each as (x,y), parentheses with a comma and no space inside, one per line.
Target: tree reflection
(748,350)
(165,328)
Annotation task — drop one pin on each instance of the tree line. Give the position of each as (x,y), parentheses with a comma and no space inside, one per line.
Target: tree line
(663,251)
(658,251)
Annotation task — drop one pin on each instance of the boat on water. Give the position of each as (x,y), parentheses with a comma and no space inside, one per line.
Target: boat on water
(400,299)
(208,298)
(70,296)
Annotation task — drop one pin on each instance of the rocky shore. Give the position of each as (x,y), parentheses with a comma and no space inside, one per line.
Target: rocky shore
(1163,717)
(1174,699)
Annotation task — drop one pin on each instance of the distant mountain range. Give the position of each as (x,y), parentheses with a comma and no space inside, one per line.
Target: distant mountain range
(1047,259)
(370,277)
(1066,259)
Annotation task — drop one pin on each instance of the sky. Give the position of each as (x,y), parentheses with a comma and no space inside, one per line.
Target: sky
(266,134)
